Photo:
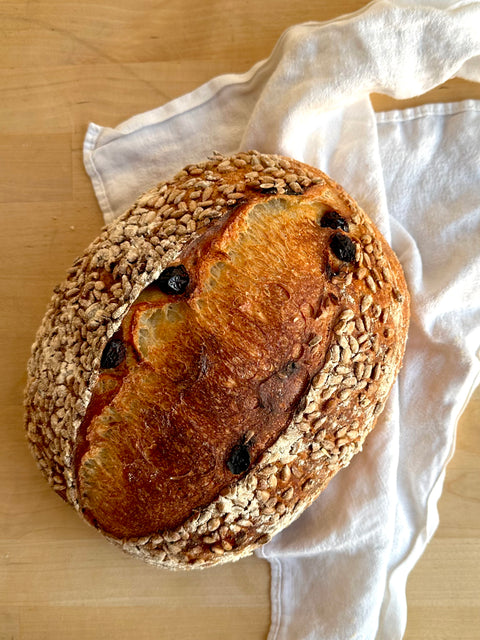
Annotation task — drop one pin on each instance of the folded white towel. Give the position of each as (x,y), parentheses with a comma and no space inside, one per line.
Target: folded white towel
(340,571)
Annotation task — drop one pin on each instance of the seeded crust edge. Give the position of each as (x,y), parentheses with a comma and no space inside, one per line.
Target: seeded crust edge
(354,382)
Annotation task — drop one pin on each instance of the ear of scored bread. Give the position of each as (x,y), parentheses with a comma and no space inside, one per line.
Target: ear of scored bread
(215,357)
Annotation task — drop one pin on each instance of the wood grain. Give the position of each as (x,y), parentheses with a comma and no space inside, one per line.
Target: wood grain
(443,589)
(62,65)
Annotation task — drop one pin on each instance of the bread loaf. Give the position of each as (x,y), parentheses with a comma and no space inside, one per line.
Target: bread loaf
(215,357)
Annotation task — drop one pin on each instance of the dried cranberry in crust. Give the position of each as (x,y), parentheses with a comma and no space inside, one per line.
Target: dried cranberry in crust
(173,280)
(113,354)
(342,247)
(333,220)
(239,459)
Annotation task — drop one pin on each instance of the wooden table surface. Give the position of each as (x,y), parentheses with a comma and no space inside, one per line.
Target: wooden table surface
(63,64)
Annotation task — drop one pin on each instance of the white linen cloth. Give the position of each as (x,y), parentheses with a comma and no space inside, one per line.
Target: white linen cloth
(340,570)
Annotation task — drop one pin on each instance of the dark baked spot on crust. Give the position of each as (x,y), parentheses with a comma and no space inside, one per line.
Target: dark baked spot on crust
(329,272)
(268,190)
(290,367)
(290,192)
(236,204)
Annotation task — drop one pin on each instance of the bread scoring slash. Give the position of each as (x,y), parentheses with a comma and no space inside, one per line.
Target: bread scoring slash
(215,357)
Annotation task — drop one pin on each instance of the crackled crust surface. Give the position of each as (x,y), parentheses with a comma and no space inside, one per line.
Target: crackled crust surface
(356,317)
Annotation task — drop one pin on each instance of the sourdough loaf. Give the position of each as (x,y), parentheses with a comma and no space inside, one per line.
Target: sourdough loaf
(217,354)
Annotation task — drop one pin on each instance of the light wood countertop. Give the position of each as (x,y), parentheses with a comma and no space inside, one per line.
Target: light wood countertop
(63,64)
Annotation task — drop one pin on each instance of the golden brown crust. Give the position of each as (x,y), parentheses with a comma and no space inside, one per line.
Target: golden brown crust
(309,335)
